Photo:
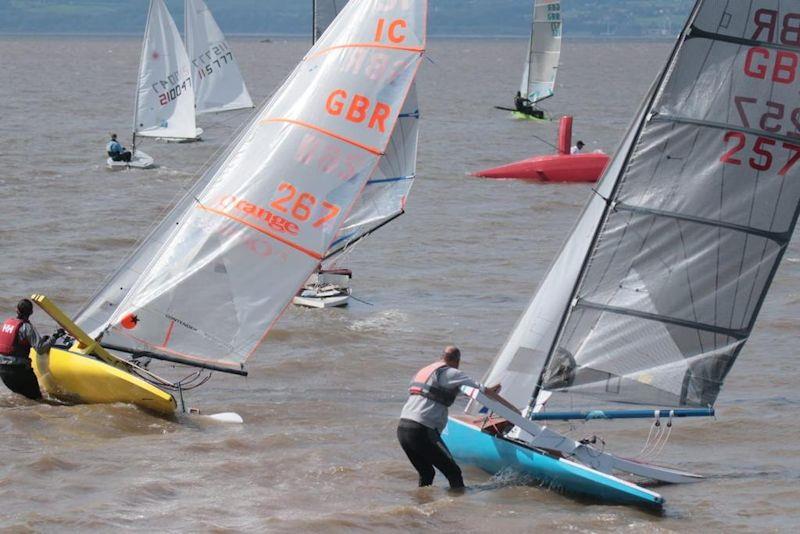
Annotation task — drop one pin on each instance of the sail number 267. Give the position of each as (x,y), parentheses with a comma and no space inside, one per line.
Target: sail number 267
(765,151)
(300,206)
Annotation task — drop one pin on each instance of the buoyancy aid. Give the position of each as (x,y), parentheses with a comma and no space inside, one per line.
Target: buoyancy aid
(426,384)
(10,345)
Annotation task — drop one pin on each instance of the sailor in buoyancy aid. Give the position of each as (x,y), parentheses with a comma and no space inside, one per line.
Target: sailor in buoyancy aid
(526,107)
(434,389)
(17,336)
(116,151)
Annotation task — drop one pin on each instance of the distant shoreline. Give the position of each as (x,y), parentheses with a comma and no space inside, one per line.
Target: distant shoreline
(296,36)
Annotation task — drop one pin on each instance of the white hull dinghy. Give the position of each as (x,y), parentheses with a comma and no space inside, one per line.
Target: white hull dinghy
(139,160)
(325,289)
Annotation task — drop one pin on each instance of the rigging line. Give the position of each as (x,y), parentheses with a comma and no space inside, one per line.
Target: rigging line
(734,333)
(780,238)
(658,117)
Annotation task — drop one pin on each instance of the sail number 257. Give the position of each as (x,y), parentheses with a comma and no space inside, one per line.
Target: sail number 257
(300,206)
(765,152)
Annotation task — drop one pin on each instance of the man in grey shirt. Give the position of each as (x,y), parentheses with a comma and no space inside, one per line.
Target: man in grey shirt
(424,416)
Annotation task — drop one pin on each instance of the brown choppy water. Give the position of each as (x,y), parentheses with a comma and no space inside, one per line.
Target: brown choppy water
(318,452)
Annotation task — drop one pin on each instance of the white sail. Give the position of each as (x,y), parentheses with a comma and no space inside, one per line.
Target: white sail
(386,193)
(324,11)
(217,80)
(676,252)
(544,51)
(218,272)
(165,96)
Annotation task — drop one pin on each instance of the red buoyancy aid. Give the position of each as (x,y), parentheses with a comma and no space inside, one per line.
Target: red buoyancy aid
(426,384)
(10,345)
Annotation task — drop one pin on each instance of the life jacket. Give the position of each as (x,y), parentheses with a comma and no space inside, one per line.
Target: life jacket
(426,384)
(10,345)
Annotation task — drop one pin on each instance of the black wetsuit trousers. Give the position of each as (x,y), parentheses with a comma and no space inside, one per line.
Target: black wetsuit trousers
(19,377)
(426,450)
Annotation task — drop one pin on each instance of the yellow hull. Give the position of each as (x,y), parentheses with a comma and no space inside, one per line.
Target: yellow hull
(77,378)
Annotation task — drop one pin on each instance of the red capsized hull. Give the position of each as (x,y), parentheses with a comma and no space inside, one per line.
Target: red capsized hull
(553,168)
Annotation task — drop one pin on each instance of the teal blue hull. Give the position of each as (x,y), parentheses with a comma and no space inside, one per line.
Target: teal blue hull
(471,446)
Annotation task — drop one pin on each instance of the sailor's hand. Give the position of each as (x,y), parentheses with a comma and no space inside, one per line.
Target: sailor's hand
(495,389)
(59,333)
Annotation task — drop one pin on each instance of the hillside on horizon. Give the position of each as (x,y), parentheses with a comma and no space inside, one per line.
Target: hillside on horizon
(606,18)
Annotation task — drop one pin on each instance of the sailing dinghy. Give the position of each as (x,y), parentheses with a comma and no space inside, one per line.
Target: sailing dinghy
(541,62)
(657,289)
(216,78)
(215,274)
(382,201)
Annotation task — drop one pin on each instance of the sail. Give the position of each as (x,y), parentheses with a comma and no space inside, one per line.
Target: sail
(544,51)
(217,80)
(258,223)
(697,210)
(324,13)
(165,95)
(385,194)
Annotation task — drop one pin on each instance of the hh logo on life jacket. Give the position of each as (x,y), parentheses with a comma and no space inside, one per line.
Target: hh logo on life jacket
(8,329)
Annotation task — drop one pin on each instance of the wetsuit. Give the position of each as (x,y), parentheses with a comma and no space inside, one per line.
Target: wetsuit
(424,416)
(525,106)
(16,339)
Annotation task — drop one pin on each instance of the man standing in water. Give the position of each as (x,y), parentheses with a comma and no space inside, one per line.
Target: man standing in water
(17,336)
(433,389)
(116,151)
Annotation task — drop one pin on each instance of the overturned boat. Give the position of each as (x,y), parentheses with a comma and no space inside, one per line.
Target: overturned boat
(560,167)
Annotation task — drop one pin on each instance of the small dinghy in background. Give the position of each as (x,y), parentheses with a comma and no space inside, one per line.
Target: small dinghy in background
(559,167)
(541,62)
(326,289)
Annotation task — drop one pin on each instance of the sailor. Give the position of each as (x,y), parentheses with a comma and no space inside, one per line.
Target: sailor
(17,336)
(525,106)
(116,151)
(577,148)
(433,389)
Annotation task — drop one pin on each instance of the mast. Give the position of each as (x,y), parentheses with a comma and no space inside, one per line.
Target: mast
(313,21)
(609,204)
(138,75)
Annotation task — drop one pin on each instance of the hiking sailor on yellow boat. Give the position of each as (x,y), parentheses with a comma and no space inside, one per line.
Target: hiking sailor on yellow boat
(213,277)
(17,337)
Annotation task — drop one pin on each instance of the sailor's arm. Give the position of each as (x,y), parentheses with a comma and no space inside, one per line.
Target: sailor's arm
(29,333)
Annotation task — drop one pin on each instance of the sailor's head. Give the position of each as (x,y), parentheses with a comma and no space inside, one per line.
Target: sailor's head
(451,356)
(519,94)
(580,144)
(114,136)
(24,309)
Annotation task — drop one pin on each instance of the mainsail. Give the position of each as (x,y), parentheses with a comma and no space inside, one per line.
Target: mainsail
(165,95)
(658,287)
(384,197)
(544,51)
(218,82)
(213,277)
